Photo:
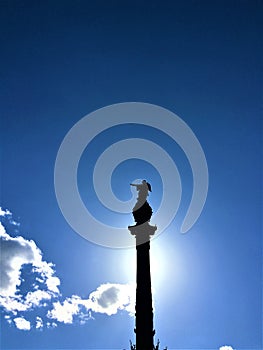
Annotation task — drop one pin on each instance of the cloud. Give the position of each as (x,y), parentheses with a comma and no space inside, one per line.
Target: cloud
(5,212)
(36,297)
(226,347)
(39,323)
(64,312)
(22,323)
(8,319)
(51,325)
(107,299)
(16,253)
(40,287)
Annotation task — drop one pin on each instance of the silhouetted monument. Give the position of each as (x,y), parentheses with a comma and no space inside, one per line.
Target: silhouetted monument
(142,231)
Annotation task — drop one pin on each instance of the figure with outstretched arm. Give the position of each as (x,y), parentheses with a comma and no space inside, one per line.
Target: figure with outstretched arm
(142,211)
(143,190)
(144,184)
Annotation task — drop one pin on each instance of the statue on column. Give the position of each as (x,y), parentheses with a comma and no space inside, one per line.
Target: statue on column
(142,211)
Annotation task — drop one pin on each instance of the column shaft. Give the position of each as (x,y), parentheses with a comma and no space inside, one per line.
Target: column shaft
(144,312)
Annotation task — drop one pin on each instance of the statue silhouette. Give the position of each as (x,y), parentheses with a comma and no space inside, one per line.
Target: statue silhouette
(142,211)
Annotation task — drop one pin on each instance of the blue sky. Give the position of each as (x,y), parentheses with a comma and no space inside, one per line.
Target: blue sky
(201,60)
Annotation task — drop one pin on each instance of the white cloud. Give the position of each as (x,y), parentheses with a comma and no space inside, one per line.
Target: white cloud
(7,214)
(226,347)
(39,323)
(8,319)
(14,304)
(64,312)
(107,299)
(36,297)
(51,325)
(4,212)
(22,323)
(17,252)
(52,283)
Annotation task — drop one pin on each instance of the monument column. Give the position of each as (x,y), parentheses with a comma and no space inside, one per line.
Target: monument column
(142,231)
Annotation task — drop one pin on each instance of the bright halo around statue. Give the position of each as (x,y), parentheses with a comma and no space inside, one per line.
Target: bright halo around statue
(78,215)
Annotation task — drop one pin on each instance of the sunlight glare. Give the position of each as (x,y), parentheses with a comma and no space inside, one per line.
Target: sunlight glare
(162,270)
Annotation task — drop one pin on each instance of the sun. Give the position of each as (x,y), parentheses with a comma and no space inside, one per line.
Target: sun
(159,264)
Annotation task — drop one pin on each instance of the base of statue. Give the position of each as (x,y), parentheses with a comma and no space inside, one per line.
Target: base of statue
(142,231)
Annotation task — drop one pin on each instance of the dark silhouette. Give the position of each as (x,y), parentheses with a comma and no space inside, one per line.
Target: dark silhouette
(142,211)
(142,231)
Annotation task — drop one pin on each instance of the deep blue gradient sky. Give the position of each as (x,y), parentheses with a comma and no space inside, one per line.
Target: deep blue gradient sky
(203,61)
